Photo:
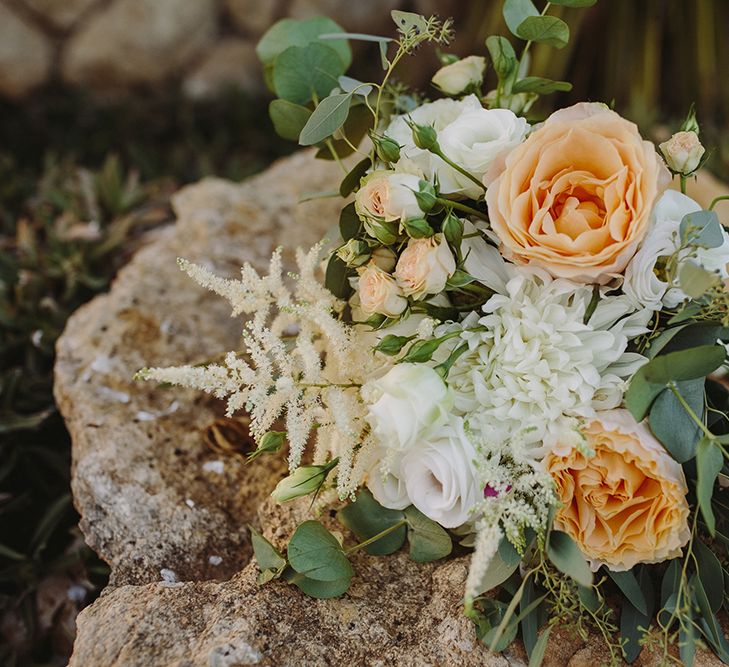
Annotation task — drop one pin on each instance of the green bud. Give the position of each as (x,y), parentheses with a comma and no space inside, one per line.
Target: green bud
(270,444)
(446,58)
(384,232)
(418,228)
(392,344)
(388,150)
(303,481)
(354,253)
(690,124)
(425,137)
(453,230)
(425,196)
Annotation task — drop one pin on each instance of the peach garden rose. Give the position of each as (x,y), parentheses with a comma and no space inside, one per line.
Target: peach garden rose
(576,197)
(626,504)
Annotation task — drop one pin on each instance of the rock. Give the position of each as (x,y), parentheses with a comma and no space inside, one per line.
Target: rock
(25,54)
(253,17)
(138,42)
(62,14)
(231,63)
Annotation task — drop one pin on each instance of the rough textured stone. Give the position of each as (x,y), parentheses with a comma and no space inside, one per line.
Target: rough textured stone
(25,54)
(138,42)
(61,14)
(231,63)
(138,461)
(253,17)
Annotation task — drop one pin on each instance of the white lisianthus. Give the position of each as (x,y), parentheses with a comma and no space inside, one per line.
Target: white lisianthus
(455,78)
(388,196)
(425,266)
(468,134)
(405,403)
(642,285)
(379,292)
(440,475)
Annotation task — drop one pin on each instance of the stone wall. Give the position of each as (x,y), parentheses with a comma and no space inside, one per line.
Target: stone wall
(121,45)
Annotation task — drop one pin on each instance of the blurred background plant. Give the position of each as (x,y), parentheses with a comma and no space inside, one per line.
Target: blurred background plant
(85,174)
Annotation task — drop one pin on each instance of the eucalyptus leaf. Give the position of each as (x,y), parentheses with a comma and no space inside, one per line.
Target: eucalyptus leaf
(541,86)
(702,229)
(502,55)
(695,280)
(566,556)
(516,11)
(709,462)
(322,590)
(544,29)
(365,517)
(314,552)
(672,424)
(497,572)
(428,540)
(696,362)
(269,560)
(640,395)
(296,32)
(288,118)
(329,115)
(350,85)
(302,72)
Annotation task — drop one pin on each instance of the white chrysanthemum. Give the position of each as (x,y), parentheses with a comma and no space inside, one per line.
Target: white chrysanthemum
(535,364)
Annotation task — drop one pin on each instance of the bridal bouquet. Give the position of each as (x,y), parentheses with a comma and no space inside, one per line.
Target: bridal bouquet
(512,345)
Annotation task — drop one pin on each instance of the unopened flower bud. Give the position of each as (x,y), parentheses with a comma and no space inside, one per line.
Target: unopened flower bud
(682,152)
(354,252)
(459,76)
(425,137)
(303,481)
(388,150)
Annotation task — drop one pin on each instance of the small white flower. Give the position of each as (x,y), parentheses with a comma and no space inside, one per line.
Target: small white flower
(388,196)
(425,266)
(440,475)
(406,402)
(683,152)
(455,78)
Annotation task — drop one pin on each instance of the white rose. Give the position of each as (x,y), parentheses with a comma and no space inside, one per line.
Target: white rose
(388,196)
(406,402)
(683,152)
(425,266)
(385,483)
(379,293)
(453,79)
(641,283)
(440,476)
(474,141)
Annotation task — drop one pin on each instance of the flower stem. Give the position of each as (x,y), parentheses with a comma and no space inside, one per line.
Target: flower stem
(461,207)
(716,200)
(683,180)
(379,536)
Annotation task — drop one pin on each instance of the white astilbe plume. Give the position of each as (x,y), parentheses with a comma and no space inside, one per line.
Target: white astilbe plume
(311,379)
(488,536)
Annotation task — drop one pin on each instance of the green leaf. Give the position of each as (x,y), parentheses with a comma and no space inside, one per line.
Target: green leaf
(508,552)
(709,461)
(516,11)
(497,572)
(428,540)
(695,280)
(336,278)
(270,444)
(629,586)
(270,561)
(329,115)
(314,552)
(701,228)
(573,3)
(696,362)
(502,55)
(302,72)
(350,182)
(421,351)
(288,118)
(671,580)
(365,517)
(709,625)
(545,29)
(672,424)
(540,648)
(567,558)
(349,223)
(322,590)
(418,228)
(536,84)
(687,641)
(640,395)
(631,619)
(711,574)
(530,621)
(292,32)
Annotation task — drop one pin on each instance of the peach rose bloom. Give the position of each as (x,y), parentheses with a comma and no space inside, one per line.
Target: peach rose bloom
(379,293)
(576,197)
(627,503)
